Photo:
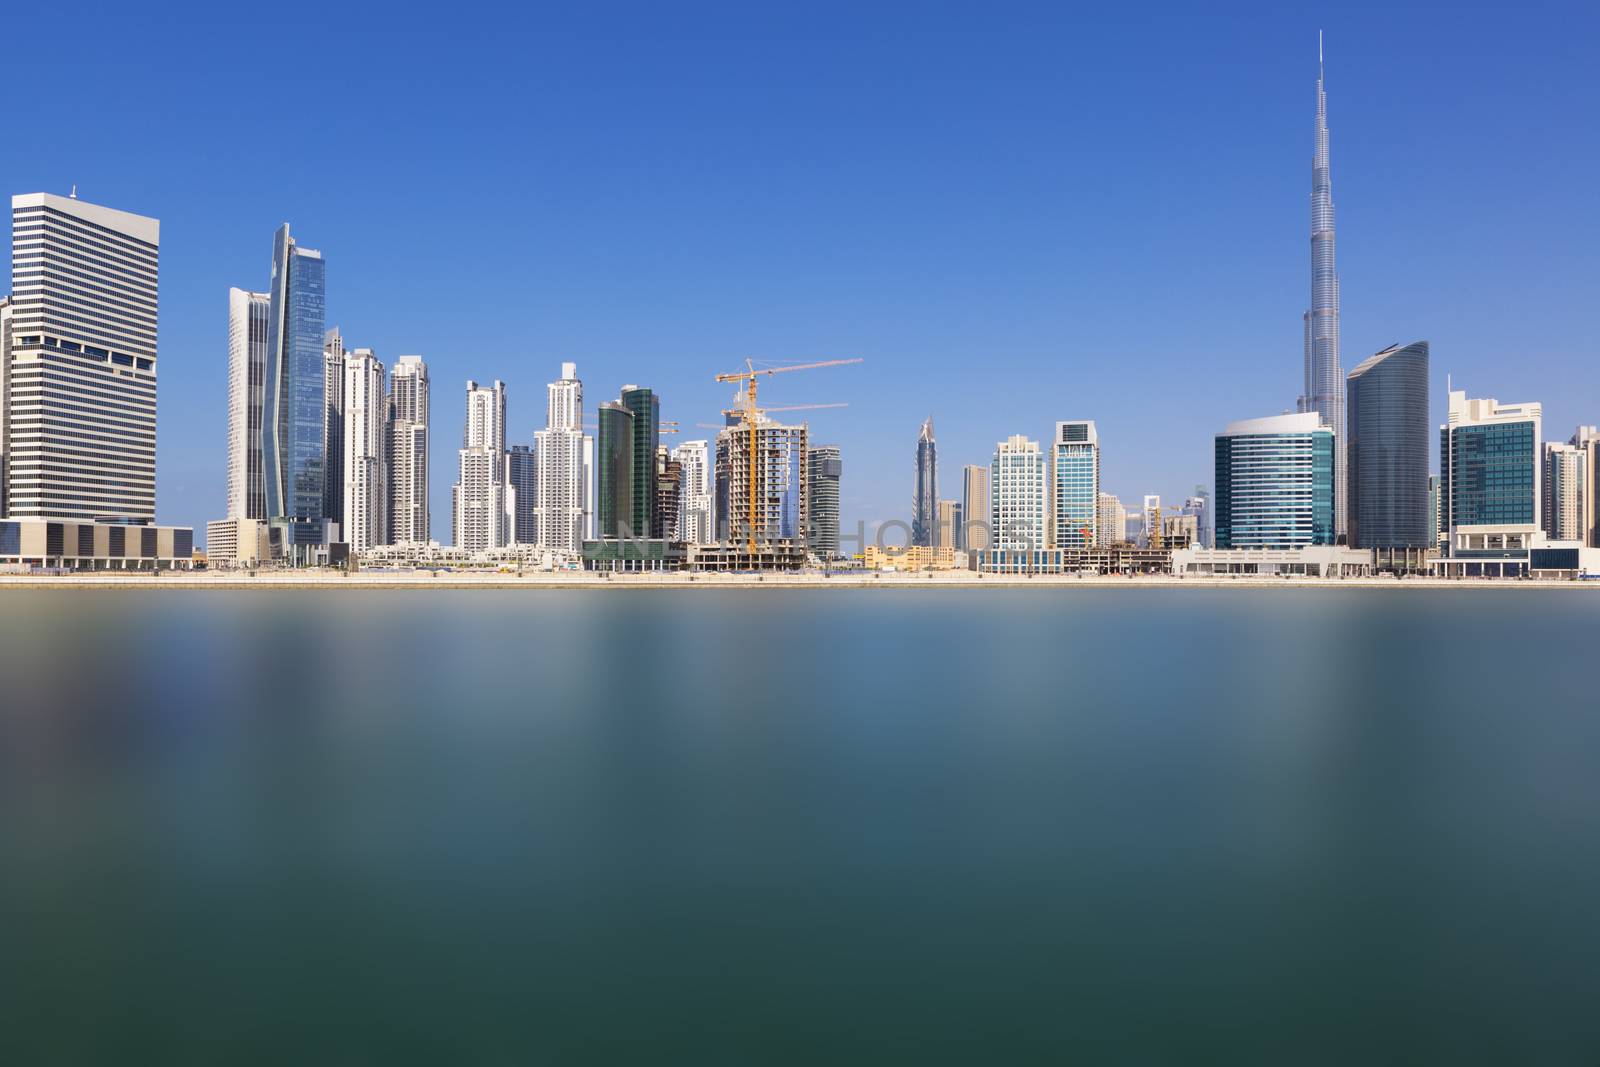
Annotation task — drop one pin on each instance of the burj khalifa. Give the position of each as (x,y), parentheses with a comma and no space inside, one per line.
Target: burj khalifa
(1324,377)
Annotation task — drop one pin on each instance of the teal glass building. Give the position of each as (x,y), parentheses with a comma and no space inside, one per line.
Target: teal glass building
(1075,484)
(1275,483)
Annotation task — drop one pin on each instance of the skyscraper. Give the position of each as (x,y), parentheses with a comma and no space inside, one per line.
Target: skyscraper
(522,495)
(79,429)
(1490,495)
(925,502)
(247,369)
(565,456)
(1386,449)
(614,456)
(1111,520)
(333,384)
(409,516)
(1017,495)
(696,502)
(1566,479)
(1324,378)
(974,508)
(365,462)
(1152,519)
(781,475)
(646,409)
(669,495)
(479,499)
(1275,483)
(294,397)
(1587,440)
(5,394)
(1075,485)
(827,469)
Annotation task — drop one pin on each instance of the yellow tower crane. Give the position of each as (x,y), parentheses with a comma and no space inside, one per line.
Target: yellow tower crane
(748,411)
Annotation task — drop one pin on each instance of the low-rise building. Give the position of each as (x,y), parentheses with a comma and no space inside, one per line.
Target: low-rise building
(94,546)
(1311,561)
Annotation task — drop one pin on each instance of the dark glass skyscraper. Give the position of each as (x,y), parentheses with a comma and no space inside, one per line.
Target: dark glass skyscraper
(1387,449)
(294,399)
(614,448)
(646,409)
(925,502)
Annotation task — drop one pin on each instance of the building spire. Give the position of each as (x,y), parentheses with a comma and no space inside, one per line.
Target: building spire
(1324,385)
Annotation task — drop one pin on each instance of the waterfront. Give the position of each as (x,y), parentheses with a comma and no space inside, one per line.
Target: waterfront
(715,827)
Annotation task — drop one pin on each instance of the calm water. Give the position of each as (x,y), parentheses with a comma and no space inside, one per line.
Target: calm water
(1296,827)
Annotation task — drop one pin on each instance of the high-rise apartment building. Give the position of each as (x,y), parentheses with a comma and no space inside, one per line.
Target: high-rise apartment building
(1018,489)
(522,495)
(696,501)
(1150,520)
(1566,481)
(781,475)
(669,495)
(1324,378)
(1075,485)
(949,523)
(1570,484)
(1275,483)
(333,383)
(1111,519)
(1587,440)
(1386,453)
(409,516)
(565,458)
(479,498)
(1490,491)
(5,395)
(827,469)
(78,429)
(925,501)
(365,462)
(294,399)
(247,370)
(974,508)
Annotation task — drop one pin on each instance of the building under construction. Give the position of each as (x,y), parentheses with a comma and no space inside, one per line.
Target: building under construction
(762,525)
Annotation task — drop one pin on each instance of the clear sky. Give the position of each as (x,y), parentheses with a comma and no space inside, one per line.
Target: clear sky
(1014,212)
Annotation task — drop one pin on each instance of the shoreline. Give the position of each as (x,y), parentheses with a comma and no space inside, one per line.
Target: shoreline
(572,580)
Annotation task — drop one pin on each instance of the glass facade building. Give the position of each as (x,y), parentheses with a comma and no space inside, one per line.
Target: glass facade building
(645,407)
(1275,483)
(1324,388)
(827,468)
(925,500)
(1387,452)
(614,452)
(1075,485)
(294,394)
(1491,472)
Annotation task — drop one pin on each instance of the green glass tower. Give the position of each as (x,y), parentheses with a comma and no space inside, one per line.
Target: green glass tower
(614,449)
(645,408)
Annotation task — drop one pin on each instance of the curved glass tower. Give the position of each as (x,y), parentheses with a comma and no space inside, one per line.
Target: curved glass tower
(1388,450)
(1324,378)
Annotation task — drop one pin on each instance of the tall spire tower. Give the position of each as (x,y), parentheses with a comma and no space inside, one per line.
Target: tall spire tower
(1324,377)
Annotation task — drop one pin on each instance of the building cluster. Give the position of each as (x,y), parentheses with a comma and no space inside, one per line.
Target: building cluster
(328,454)
(328,463)
(1340,486)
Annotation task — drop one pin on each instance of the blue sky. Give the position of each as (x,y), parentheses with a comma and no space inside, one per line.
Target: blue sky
(1015,213)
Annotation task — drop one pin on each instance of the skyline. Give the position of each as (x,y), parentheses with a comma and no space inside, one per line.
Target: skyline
(991,345)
